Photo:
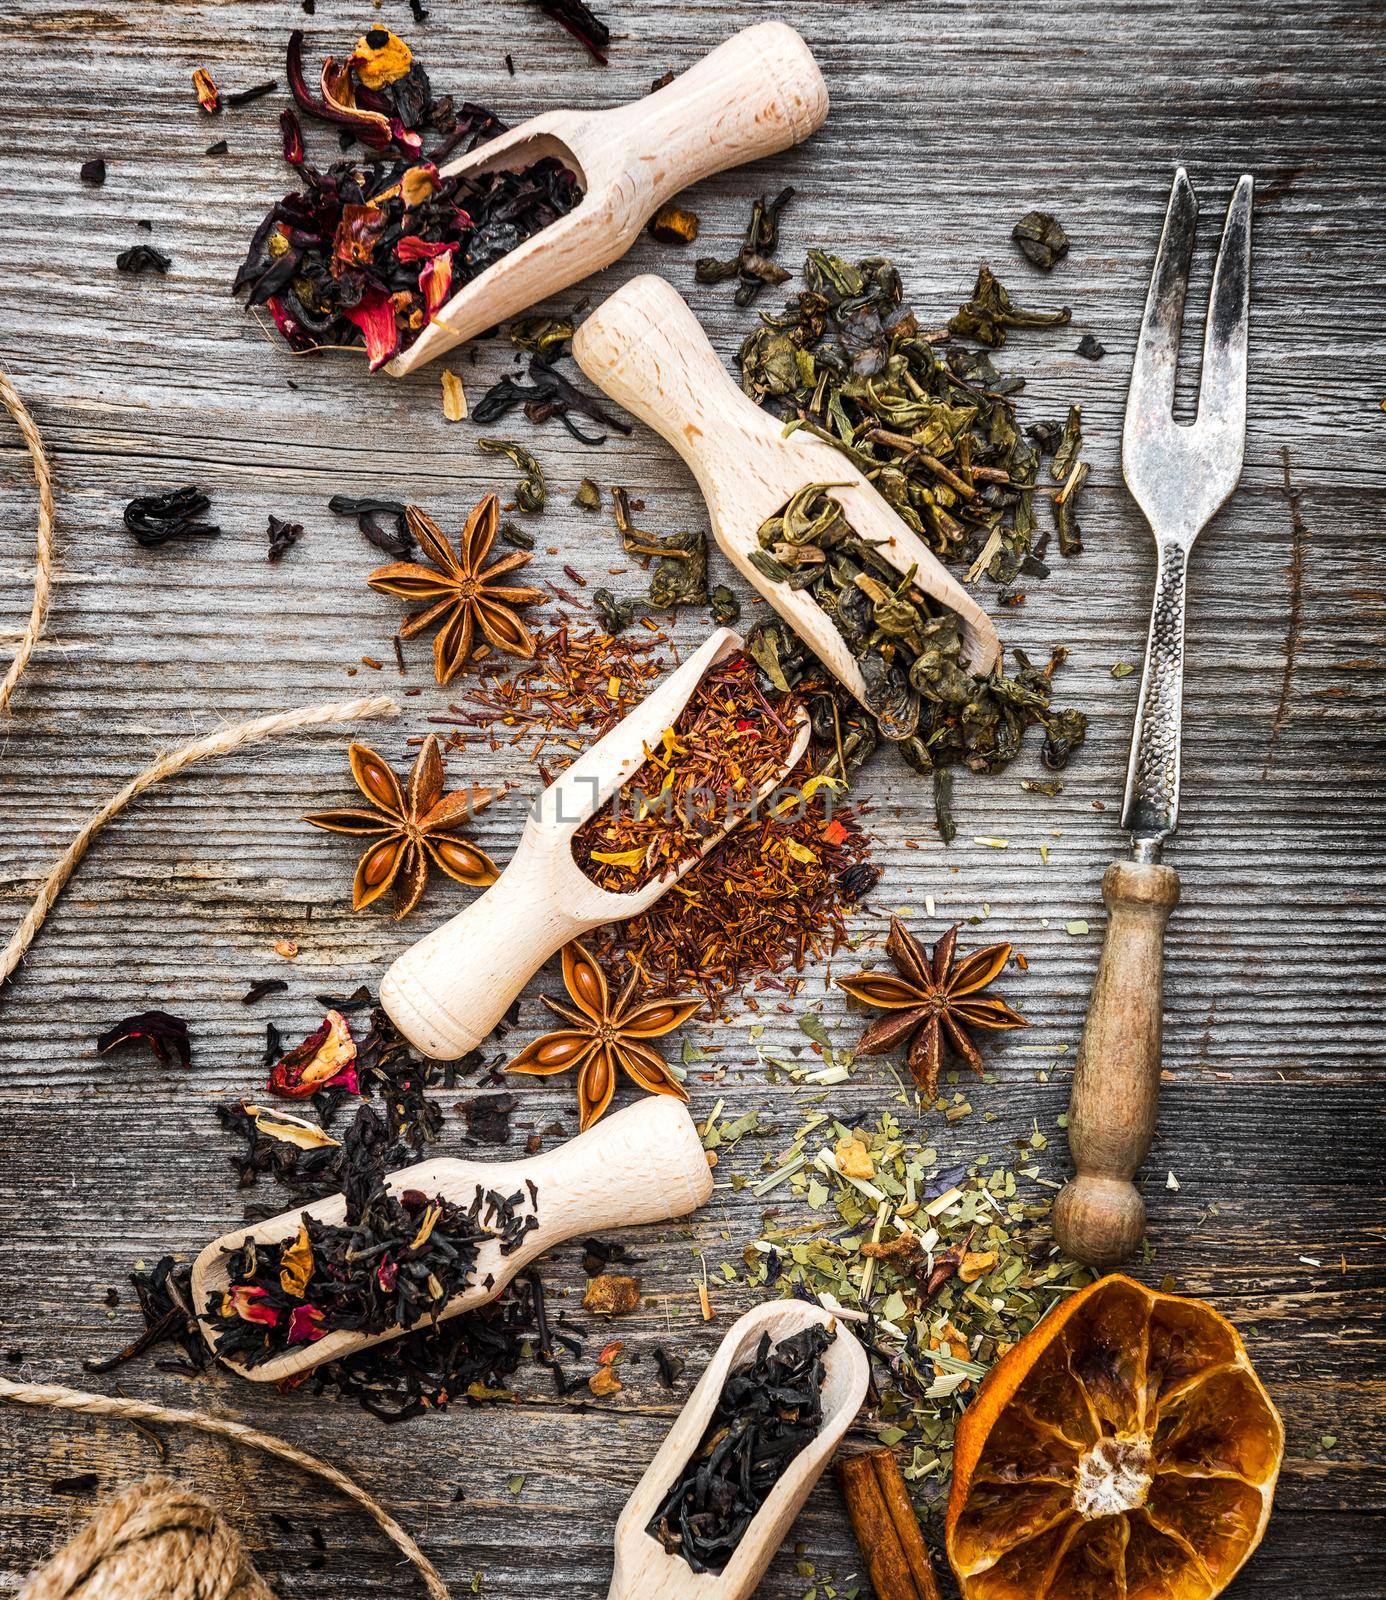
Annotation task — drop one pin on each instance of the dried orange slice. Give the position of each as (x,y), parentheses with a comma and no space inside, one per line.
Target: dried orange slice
(1123,1450)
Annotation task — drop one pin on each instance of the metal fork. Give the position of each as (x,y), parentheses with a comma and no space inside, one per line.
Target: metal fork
(1179,475)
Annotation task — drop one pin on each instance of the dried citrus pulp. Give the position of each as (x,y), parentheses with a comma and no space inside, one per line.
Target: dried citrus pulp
(1123,1450)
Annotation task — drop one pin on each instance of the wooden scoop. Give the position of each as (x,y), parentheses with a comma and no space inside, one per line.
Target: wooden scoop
(448,992)
(755,95)
(646,349)
(644,1163)
(645,1570)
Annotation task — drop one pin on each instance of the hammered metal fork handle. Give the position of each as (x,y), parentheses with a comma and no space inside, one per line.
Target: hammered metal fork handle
(1151,810)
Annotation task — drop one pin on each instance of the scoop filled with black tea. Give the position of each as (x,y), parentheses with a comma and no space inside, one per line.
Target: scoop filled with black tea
(433,1240)
(758,93)
(714,1505)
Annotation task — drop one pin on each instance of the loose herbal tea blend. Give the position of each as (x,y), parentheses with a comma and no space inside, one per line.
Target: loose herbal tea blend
(951,1263)
(368,250)
(396,1260)
(727,743)
(770,1408)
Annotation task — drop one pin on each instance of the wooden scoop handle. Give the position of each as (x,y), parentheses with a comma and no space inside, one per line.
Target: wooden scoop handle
(447,992)
(755,95)
(1099,1218)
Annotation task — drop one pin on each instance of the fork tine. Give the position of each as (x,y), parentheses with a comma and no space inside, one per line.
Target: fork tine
(1157,350)
(1222,398)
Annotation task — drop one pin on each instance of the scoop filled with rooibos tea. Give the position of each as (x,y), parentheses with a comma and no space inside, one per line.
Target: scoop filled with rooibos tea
(758,1430)
(604,841)
(414,1247)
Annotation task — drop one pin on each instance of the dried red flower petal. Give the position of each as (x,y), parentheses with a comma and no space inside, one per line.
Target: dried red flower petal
(305,1325)
(435,281)
(246,1302)
(375,317)
(325,1059)
(291,130)
(166,1036)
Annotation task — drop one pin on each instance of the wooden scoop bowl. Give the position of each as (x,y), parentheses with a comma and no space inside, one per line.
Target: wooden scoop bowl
(644,1569)
(644,1163)
(447,992)
(755,95)
(647,350)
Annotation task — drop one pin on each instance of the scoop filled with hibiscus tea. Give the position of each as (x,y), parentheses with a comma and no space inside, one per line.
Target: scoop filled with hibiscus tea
(412,250)
(449,991)
(396,1251)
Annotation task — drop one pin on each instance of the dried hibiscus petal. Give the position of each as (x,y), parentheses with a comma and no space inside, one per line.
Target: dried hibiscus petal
(306,1325)
(325,1059)
(375,317)
(246,1301)
(166,1036)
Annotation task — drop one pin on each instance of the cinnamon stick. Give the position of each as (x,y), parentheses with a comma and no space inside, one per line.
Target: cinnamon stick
(887,1530)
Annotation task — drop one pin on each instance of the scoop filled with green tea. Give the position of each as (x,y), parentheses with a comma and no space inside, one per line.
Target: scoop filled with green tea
(646,349)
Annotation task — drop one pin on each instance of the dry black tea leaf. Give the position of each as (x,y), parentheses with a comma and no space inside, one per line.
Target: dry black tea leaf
(218,147)
(156,518)
(281,535)
(1041,240)
(166,1036)
(549,393)
(770,1409)
(990,312)
(244,97)
(143,258)
(262,987)
(382,521)
(670,1367)
(584,25)
(93,172)
(1091,348)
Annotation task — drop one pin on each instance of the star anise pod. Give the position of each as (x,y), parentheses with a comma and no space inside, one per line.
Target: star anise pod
(417,824)
(603,1039)
(933,999)
(460,592)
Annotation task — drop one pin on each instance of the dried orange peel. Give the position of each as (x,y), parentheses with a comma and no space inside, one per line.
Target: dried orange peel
(1125,1447)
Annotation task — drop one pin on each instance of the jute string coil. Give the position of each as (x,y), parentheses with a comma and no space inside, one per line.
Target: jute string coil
(43,558)
(155,1539)
(164,1521)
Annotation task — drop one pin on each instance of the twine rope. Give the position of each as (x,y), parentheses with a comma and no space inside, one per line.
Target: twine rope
(172,761)
(43,558)
(59,1397)
(154,1539)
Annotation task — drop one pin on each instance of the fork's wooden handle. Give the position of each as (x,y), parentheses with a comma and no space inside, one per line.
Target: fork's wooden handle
(447,992)
(1099,1217)
(755,95)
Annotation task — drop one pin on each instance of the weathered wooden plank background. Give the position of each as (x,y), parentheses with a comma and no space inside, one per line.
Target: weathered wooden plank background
(948,122)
